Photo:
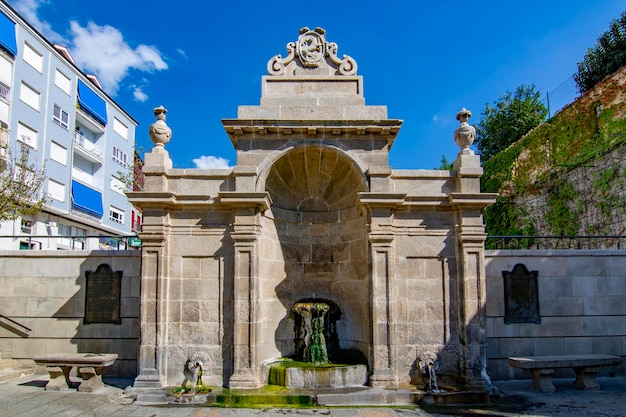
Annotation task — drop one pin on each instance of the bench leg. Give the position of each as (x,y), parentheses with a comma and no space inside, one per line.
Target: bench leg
(92,378)
(59,378)
(542,380)
(586,378)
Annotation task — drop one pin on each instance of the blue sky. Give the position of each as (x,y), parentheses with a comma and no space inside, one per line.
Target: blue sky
(424,60)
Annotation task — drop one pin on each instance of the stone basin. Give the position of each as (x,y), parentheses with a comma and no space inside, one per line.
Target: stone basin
(294,374)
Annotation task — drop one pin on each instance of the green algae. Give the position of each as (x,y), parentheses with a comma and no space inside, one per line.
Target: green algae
(266,396)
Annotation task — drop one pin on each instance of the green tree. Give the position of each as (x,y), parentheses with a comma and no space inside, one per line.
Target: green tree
(444,164)
(21,185)
(510,118)
(607,56)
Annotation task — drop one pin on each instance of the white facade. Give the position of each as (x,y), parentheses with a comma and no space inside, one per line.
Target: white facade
(83,138)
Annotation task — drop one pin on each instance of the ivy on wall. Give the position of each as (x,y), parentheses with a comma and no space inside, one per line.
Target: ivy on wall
(568,175)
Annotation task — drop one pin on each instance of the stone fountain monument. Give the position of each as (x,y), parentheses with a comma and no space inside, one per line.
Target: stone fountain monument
(312,212)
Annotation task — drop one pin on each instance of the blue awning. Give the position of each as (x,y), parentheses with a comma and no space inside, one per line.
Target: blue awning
(91,102)
(7,34)
(86,199)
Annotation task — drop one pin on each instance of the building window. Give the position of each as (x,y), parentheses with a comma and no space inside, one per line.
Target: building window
(119,157)
(33,57)
(4,117)
(116,215)
(117,185)
(63,82)
(6,69)
(29,96)
(56,190)
(136,221)
(27,226)
(58,153)
(71,236)
(120,128)
(27,135)
(61,117)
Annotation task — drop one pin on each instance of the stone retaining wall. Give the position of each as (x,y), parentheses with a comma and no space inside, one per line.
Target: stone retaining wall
(582,306)
(45,291)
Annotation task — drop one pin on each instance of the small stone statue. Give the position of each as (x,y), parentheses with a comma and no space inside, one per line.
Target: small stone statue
(159,131)
(465,134)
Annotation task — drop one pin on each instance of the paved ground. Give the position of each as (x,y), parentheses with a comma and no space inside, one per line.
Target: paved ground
(26,397)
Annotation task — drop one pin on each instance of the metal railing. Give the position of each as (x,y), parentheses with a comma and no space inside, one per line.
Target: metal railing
(556,242)
(87,114)
(85,144)
(4,90)
(69,242)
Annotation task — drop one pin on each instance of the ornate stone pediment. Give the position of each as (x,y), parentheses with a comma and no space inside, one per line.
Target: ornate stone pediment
(311,54)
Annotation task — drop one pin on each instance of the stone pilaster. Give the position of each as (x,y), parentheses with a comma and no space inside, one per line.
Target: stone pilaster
(153,307)
(383,374)
(468,203)
(381,239)
(154,273)
(246,323)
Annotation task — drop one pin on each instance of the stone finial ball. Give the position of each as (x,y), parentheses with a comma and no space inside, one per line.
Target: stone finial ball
(463,115)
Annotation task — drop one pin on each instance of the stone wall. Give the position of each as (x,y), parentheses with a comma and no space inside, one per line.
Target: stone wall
(45,291)
(581,305)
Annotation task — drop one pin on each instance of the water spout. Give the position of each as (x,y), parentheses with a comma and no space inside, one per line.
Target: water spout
(429,363)
(313,323)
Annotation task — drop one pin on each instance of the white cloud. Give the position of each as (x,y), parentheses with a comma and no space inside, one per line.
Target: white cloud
(182,53)
(444,120)
(28,10)
(103,51)
(211,162)
(139,95)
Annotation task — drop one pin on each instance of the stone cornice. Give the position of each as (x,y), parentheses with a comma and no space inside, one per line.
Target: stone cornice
(310,129)
(382,200)
(472,200)
(145,199)
(224,200)
(261,201)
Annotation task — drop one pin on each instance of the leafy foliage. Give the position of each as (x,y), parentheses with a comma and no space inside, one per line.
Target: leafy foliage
(20,186)
(511,117)
(607,56)
(567,176)
(444,164)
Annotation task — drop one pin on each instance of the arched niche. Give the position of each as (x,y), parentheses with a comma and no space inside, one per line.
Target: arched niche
(318,240)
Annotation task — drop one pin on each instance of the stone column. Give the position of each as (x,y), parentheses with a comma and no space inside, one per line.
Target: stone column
(245,234)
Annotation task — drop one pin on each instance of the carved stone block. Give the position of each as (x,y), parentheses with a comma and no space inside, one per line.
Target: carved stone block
(521,296)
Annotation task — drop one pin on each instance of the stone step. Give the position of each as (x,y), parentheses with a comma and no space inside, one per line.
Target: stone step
(370,396)
(6,364)
(12,373)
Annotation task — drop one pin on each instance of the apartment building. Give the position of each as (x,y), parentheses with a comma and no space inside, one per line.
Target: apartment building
(82,137)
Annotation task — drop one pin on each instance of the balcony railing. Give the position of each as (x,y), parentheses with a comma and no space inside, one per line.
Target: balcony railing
(86,114)
(87,146)
(73,242)
(5,90)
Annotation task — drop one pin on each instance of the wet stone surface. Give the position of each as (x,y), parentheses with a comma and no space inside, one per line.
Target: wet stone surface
(26,397)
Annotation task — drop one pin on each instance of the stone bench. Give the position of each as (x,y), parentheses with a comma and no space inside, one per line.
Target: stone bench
(585,366)
(90,367)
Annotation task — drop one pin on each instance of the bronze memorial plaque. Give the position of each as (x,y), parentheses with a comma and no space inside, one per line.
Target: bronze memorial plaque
(521,296)
(102,296)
